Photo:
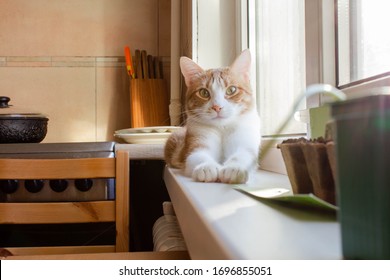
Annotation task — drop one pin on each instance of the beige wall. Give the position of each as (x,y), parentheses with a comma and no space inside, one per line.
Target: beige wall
(65,59)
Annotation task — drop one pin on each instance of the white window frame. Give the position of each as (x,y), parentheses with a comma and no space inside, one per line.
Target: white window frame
(212,51)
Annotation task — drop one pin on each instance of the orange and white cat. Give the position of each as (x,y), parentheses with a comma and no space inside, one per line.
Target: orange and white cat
(220,141)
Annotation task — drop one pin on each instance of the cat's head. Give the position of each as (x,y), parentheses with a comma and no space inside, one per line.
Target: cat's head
(218,95)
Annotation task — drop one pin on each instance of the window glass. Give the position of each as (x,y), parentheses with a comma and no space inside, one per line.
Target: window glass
(278,27)
(363,42)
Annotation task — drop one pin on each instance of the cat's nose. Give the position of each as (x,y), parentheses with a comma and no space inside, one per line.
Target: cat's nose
(216,108)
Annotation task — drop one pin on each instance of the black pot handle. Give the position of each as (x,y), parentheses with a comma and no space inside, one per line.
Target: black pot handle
(4,101)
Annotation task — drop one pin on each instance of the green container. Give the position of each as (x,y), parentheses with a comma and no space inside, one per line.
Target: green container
(363,183)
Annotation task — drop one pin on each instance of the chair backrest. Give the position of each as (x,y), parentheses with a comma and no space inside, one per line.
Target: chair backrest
(70,212)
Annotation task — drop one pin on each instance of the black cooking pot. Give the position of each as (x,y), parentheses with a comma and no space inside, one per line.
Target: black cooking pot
(20,126)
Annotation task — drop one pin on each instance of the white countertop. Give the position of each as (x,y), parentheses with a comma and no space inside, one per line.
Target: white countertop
(143,151)
(219,222)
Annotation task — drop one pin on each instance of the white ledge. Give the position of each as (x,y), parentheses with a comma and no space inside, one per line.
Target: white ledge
(143,151)
(219,222)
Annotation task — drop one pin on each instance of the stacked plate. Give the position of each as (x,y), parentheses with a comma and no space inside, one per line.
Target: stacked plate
(146,135)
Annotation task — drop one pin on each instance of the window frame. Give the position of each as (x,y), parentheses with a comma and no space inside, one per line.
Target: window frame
(321,46)
(316,72)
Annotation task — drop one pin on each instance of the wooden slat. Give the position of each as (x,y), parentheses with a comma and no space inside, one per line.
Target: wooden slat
(57,213)
(122,197)
(57,168)
(28,251)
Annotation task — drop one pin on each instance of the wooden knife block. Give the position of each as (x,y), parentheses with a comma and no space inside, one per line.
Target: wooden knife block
(149,103)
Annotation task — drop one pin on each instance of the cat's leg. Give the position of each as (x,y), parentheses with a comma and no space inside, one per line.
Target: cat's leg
(233,174)
(241,153)
(202,166)
(237,167)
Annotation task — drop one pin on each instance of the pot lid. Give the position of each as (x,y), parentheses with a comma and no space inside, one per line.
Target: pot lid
(9,111)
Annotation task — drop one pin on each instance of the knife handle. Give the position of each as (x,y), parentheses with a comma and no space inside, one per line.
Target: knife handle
(157,68)
(152,74)
(144,59)
(138,64)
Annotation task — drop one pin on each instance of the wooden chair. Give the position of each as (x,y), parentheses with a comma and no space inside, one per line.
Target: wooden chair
(70,212)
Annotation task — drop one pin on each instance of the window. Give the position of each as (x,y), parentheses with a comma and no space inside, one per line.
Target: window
(277,36)
(297,43)
(277,42)
(362,41)
(275,31)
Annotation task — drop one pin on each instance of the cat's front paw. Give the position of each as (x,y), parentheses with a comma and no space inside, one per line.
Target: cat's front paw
(206,172)
(233,175)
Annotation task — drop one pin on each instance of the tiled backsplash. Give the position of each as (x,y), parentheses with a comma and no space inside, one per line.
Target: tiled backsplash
(65,59)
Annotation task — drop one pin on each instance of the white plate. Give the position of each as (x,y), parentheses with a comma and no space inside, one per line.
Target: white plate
(144,138)
(146,135)
(148,129)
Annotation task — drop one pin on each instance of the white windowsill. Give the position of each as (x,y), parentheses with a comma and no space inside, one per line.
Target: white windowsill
(219,222)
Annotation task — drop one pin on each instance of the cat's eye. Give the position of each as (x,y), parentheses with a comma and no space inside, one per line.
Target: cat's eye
(203,93)
(231,90)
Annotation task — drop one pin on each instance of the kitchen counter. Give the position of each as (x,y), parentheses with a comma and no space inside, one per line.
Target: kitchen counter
(219,222)
(143,151)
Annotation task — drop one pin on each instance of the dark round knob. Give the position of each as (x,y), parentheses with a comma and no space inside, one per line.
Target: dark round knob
(4,101)
(33,186)
(58,185)
(83,185)
(9,186)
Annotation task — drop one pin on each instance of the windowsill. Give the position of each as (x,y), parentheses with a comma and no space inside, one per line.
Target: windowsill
(219,222)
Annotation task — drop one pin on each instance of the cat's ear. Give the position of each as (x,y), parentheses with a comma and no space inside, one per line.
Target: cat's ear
(242,65)
(189,69)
